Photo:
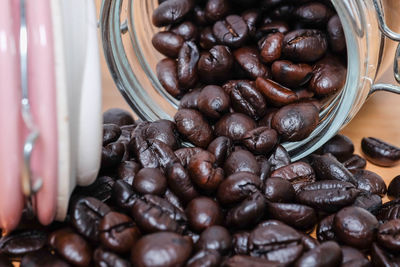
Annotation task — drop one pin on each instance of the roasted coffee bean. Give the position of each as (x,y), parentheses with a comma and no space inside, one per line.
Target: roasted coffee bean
(193,127)
(304,45)
(187,64)
(231,31)
(204,172)
(275,242)
(240,241)
(154,214)
(265,167)
(216,9)
(279,158)
(248,213)
(71,246)
(295,122)
(337,39)
(249,60)
(339,146)
(325,230)
(296,215)
(127,171)
(328,196)
(380,257)
(379,152)
(86,214)
(278,190)
(187,30)
(394,188)
(168,43)
(305,95)
(112,154)
(123,195)
(309,242)
(389,211)
(368,201)
(101,189)
(203,212)
(215,238)
(180,184)
(355,162)
(216,64)
(111,133)
(22,242)
(355,227)
(327,167)
(185,154)
(369,181)
(41,258)
(213,102)
(298,174)
(272,26)
(237,187)
(275,93)
(229,85)
(326,254)
(161,249)
(251,17)
(118,116)
(243,260)
(207,38)
(234,126)
(126,131)
(283,12)
(313,14)
(290,74)
(167,74)
(329,76)
(272,47)
(352,257)
(388,235)
(150,181)
(118,232)
(260,140)
(104,258)
(221,147)
(241,161)
(171,11)
(162,130)
(246,99)
(190,100)
(204,258)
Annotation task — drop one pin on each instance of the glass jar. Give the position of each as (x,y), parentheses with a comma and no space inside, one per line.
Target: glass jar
(127,31)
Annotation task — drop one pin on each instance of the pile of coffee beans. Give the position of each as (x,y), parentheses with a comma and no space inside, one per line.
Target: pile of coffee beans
(156,203)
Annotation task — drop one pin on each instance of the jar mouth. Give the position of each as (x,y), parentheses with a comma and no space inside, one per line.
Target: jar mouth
(132,62)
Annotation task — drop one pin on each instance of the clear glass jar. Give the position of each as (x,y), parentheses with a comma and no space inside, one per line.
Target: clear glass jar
(127,30)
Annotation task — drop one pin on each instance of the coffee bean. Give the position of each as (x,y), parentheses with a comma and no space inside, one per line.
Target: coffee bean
(153,153)
(272,27)
(304,45)
(237,187)
(187,30)
(185,154)
(180,184)
(243,260)
(161,249)
(111,133)
(283,12)
(353,257)
(187,64)
(40,258)
(22,242)
(240,241)
(389,211)
(278,190)
(388,235)
(272,47)
(355,162)
(112,154)
(167,74)
(123,195)
(215,238)
(241,161)
(328,196)
(368,201)
(117,116)
(216,64)
(154,214)
(191,124)
(295,122)
(379,257)
(337,39)
(279,158)
(296,215)
(162,130)
(207,38)
(171,11)
(298,174)
(173,199)
(190,100)
(251,17)
(290,74)
(213,102)
(339,146)
(203,212)
(168,43)
(118,232)
(313,13)
(232,31)
(275,93)
(379,152)
(260,140)
(105,258)
(150,181)
(249,60)
(265,167)
(369,181)
(71,246)
(325,231)
(221,147)
(234,126)
(204,172)
(326,254)
(127,171)
(216,9)
(394,188)
(209,258)
(329,76)
(86,214)
(101,189)
(327,167)
(355,227)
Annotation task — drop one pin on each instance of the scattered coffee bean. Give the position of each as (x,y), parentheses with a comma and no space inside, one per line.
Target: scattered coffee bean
(339,146)
(203,212)
(380,152)
(394,188)
(118,116)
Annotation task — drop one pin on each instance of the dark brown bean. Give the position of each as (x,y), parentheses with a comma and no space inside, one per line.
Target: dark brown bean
(171,11)
(313,14)
(296,215)
(215,65)
(215,238)
(339,146)
(370,182)
(22,242)
(337,39)
(150,181)
(325,231)
(187,30)
(250,61)
(190,100)
(204,258)
(355,162)
(327,167)
(389,235)
(221,147)
(111,133)
(243,260)
(168,76)
(279,158)
(204,172)
(272,47)
(213,102)
(118,116)
(203,212)
(234,126)
(216,9)
(290,74)
(187,65)
(298,174)
(379,152)
(168,43)
(394,188)
(275,93)
(326,254)
(278,190)
(260,140)
(232,31)
(207,38)
(241,161)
